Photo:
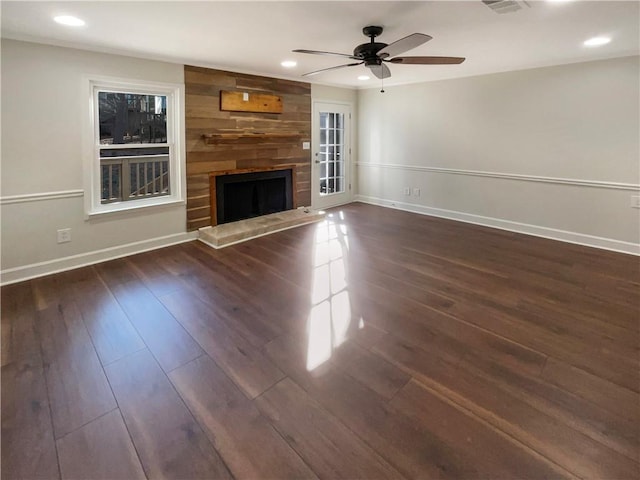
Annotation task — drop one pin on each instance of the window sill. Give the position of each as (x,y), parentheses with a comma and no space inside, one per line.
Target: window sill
(132,207)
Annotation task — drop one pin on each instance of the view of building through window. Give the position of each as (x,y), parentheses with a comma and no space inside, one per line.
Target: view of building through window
(132,118)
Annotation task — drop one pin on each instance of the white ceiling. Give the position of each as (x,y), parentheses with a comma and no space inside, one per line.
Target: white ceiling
(254,37)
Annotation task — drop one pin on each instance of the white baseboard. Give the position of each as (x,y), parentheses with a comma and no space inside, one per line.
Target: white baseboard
(535,230)
(34,270)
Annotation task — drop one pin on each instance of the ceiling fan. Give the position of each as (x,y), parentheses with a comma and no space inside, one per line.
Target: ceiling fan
(374,54)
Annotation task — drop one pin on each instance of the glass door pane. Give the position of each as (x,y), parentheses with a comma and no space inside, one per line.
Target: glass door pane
(331,179)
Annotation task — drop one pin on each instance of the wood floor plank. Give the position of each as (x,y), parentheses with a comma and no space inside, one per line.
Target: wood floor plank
(169,441)
(565,446)
(18,332)
(326,444)
(154,276)
(78,389)
(162,333)
(222,295)
(294,265)
(381,376)
(116,272)
(111,331)
(494,453)
(257,299)
(611,397)
(416,283)
(247,442)
(101,449)
(280,301)
(567,344)
(408,445)
(54,289)
(413,324)
(245,364)
(28,446)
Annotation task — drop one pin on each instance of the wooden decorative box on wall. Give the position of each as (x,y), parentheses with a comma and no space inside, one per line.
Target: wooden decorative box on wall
(250,102)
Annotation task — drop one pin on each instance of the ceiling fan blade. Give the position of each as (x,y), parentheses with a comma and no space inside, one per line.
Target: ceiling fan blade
(381,71)
(318,52)
(427,60)
(407,43)
(332,68)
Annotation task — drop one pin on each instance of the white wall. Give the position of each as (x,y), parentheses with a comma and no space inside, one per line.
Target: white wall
(44,110)
(578,124)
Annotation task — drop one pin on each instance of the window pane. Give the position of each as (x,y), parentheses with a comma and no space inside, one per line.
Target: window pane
(165,177)
(323,120)
(133,179)
(132,118)
(110,183)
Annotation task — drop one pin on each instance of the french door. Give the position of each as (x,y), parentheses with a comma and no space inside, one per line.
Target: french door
(331,156)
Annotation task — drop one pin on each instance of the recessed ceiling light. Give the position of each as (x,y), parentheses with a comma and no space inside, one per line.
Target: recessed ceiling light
(364,77)
(597,41)
(289,63)
(69,21)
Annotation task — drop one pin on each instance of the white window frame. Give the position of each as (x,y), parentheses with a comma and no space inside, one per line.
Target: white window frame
(175,134)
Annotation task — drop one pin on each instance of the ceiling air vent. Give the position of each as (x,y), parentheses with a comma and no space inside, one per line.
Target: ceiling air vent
(505,6)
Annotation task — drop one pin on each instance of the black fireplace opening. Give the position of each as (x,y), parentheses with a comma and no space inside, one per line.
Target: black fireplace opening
(247,195)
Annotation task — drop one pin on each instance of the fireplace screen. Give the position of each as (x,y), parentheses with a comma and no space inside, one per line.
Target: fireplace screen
(247,195)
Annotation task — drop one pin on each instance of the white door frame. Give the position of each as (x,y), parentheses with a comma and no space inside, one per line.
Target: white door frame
(318,201)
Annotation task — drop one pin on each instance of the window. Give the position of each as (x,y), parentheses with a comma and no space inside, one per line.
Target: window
(136,156)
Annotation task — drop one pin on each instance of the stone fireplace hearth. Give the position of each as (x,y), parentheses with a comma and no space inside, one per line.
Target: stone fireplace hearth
(236,232)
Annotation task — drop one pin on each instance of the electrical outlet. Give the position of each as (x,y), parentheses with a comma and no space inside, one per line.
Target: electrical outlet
(635,201)
(416,192)
(407,191)
(64,235)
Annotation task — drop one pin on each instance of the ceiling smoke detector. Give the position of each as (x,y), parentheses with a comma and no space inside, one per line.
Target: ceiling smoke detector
(505,6)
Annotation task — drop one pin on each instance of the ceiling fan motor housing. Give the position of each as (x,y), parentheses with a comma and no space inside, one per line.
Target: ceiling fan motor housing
(368,52)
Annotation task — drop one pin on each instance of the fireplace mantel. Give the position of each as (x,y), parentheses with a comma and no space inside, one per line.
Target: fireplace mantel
(214,175)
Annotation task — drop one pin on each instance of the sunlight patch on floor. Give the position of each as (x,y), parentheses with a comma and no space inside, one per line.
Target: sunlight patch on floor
(330,315)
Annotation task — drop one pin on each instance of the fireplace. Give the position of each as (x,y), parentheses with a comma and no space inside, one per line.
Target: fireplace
(240,194)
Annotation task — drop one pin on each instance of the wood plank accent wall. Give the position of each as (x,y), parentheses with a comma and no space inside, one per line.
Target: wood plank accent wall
(262,140)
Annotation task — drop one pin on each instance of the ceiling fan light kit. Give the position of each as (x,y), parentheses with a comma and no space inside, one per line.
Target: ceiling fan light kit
(374,55)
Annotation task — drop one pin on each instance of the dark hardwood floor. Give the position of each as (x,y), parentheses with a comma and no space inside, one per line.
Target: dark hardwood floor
(376,344)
